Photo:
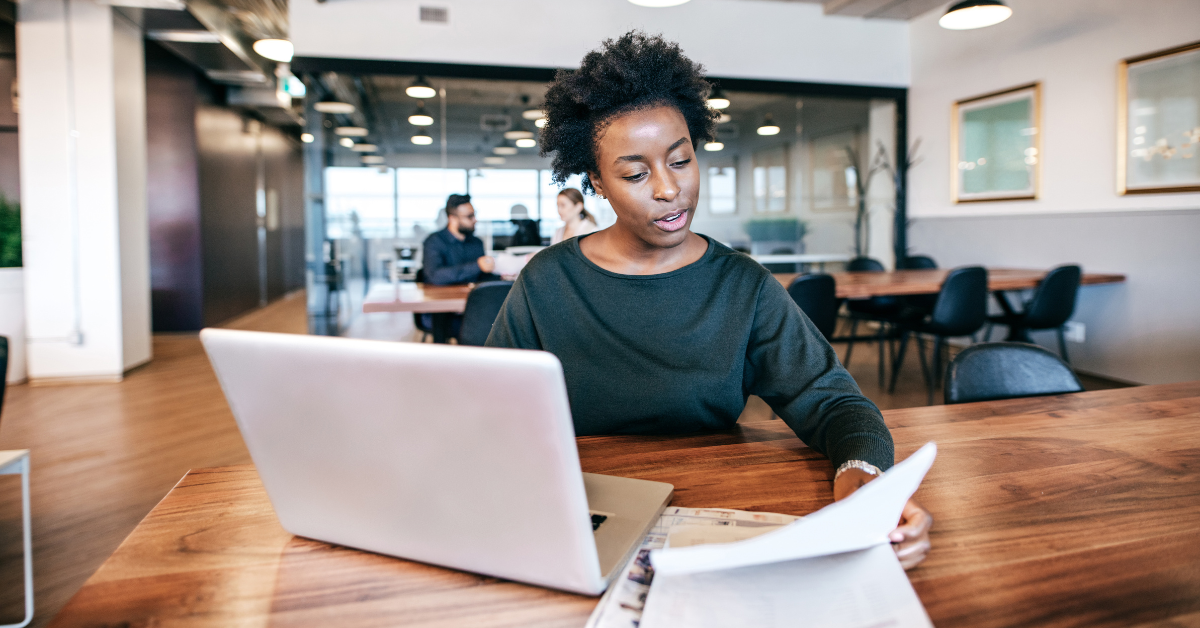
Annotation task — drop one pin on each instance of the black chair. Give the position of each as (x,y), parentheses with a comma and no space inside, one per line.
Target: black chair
(423,322)
(960,310)
(918,262)
(781,267)
(1051,307)
(483,304)
(817,297)
(878,309)
(1007,370)
(3,368)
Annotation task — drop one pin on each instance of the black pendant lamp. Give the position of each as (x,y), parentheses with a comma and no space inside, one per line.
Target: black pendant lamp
(975,14)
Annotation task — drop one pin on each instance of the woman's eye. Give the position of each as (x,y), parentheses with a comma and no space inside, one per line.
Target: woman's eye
(635,177)
(683,162)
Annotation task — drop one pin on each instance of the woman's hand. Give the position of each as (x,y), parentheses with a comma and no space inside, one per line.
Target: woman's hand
(911,538)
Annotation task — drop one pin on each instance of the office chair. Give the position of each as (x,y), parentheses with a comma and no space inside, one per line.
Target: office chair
(918,262)
(881,310)
(960,310)
(1007,370)
(1051,307)
(817,297)
(483,305)
(781,268)
(423,322)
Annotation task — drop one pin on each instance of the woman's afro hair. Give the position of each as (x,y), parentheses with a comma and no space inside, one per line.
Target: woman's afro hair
(634,72)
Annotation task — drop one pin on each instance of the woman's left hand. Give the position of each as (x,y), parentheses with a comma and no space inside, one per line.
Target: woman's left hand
(910,539)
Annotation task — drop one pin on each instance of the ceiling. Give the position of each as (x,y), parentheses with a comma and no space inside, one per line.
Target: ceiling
(878,9)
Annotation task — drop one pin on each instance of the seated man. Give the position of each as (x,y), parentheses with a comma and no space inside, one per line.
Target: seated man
(454,256)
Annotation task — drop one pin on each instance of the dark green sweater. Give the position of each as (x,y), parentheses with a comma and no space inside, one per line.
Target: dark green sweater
(680,351)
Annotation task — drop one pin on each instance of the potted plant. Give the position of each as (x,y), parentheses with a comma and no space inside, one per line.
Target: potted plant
(12,288)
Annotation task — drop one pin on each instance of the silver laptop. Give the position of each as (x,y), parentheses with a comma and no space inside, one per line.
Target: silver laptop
(455,456)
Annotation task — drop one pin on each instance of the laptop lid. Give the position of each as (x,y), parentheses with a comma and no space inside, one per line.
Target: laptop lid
(456,456)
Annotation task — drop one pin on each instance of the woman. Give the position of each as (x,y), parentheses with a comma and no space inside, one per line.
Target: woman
(576,219)
(659,329)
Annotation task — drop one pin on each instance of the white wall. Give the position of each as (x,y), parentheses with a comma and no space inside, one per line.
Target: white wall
(80,287)
(732,38)
(1144,330)
(1072,47)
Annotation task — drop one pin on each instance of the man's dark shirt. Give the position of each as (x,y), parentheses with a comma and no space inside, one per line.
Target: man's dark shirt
(448,261)
(680,351)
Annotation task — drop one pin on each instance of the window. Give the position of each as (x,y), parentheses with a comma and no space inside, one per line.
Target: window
(494,192)
(421,196)
(360,202)
(722,190)
(770,180)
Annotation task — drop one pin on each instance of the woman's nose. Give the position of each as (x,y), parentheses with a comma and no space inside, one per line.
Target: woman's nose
(665,186)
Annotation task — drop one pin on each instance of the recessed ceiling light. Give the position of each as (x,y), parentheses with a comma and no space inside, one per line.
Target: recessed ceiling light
(329,104)
(347,142)
(280,50)
(364,148)
(307,138)
(422,138)
(713,146)
(351,131)
(420,89)
(494,161)
(974,14)
(768,126)
(658,3)
(372,159)
(528,142)
(533,114)
(420,118)
(540,123)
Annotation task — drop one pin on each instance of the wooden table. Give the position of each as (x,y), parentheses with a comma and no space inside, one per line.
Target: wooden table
(418,298)
(863,285)
(1076,510)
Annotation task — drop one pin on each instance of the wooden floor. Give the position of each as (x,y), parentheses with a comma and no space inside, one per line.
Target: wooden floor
(104,454)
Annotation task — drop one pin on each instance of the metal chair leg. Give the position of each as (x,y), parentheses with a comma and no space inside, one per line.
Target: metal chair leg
(850,343)
(1062,345)
(896,363)
(880,341)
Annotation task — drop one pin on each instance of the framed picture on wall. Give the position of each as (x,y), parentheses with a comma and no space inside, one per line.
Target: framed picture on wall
(1158,122)
(996,146)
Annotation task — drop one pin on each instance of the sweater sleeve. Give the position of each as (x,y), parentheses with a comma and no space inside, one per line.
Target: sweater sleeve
(796,371)
(514,327)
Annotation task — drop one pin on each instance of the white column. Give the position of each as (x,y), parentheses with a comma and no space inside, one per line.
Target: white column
(83,190)
(881,195)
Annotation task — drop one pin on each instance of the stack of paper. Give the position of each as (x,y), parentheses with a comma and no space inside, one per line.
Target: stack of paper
(834,567)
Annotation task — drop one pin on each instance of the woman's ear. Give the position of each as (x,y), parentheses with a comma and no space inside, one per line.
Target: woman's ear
(597,185)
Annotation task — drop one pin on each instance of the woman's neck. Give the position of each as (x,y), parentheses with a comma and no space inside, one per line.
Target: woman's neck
(619,251)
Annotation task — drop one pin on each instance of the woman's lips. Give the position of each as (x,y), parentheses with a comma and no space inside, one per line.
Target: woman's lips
(673,222)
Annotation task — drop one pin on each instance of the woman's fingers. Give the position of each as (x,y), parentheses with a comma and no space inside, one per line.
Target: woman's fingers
(911,538)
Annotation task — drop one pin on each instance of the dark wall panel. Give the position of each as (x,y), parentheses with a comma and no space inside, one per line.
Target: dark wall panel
(173,193)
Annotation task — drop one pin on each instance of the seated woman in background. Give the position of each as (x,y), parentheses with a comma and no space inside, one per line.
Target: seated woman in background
(659,329)
(579,221)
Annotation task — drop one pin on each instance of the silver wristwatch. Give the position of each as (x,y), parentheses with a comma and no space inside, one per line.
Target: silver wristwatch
(857,464)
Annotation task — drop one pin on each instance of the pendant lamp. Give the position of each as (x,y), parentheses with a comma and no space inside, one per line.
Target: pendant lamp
(974,14)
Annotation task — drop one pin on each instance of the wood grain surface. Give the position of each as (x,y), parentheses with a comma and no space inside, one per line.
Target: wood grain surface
(862,285)
(1075,510)
(416,297)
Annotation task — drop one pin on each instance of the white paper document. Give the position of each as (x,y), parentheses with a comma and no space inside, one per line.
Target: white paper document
(835,567)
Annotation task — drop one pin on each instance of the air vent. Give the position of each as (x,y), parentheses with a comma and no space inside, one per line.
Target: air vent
(438,15)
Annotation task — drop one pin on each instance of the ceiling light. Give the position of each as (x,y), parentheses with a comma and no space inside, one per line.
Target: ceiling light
(329,104)
(533,114)
(518,134)
(724,118)
(420,89)
(768,126)
(351,131)
(372,159)
(974,14)
(280,50)
(713,146)
(494,161)
(347,142)
(540,123)
(420,118)
(422,138)
(527,142)
(307,138)
(505,149)
(658,3)
(717,99)
(364,148)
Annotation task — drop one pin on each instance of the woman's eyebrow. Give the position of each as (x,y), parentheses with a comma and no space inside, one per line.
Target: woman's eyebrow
(628,158)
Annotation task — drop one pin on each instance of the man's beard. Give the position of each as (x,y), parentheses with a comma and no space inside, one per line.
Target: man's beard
(466,231)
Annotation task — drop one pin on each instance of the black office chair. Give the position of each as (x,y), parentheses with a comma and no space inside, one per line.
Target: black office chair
(1051,307)
(483,304)
(1007,370)
(423,322)
(3,368)
(817,297)
(960,310)
(781,268)
(918,262)
(878,309)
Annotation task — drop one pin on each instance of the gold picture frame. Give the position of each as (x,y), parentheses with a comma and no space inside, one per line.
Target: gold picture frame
(1151,170)
(1005,146)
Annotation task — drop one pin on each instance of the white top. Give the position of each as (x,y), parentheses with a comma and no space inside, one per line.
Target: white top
(585,226)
